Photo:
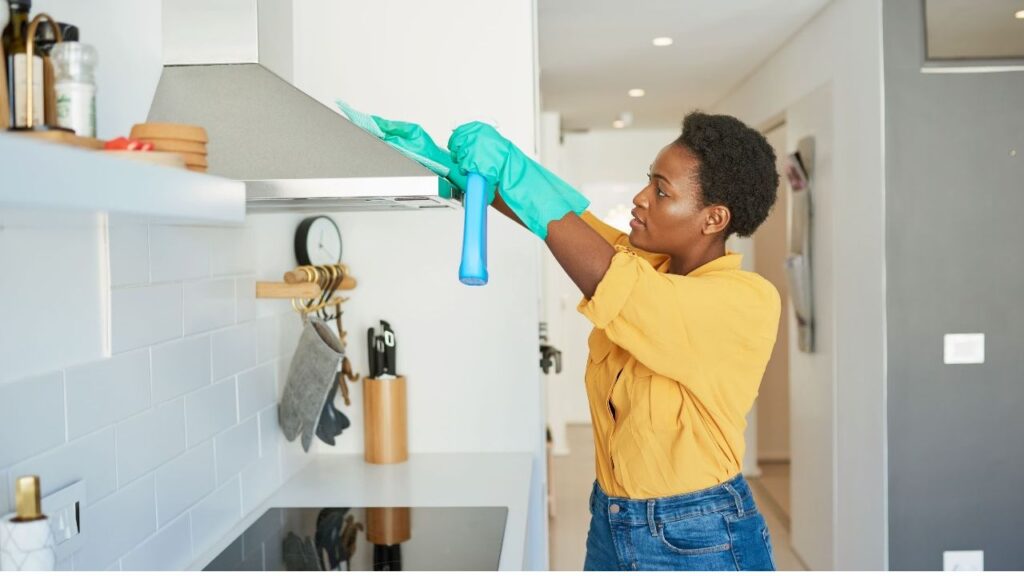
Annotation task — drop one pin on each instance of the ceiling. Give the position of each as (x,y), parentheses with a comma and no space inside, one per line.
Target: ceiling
(592,52)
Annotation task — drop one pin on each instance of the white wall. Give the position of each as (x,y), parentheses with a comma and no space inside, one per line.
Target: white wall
(471,354)
(840,49)
(609,167)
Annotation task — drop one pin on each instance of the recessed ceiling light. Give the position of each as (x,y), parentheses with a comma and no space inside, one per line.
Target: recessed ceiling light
(618,124)
(662,41)
(637,92)
(1019,14)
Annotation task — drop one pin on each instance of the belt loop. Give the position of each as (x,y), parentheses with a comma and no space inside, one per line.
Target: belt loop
(650,518)
(736,496)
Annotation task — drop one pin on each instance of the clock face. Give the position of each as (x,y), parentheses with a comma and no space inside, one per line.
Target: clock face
(318,241)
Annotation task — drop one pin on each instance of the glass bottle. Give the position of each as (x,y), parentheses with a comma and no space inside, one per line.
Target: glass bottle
(74,66)
(16,48)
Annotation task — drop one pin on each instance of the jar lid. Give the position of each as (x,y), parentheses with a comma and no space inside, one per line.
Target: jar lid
(27,500)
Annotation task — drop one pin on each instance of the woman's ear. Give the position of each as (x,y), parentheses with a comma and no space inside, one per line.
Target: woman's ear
(717,219)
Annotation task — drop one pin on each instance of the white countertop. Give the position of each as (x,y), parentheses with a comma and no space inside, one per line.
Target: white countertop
(492,479)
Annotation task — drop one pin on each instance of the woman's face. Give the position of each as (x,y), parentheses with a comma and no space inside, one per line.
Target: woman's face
(669,215)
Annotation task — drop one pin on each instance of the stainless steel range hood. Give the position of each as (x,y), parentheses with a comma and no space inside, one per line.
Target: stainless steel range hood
(292,152)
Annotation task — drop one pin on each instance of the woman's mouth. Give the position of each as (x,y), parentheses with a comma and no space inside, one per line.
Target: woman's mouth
(636,223)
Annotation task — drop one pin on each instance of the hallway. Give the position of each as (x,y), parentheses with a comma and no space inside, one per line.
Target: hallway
(572,477)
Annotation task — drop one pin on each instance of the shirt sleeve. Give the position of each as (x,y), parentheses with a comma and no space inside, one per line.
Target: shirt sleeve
(675,324)
(612,235)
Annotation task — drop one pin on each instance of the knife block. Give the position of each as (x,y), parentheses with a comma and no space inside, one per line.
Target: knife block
(384,419)
(388,526)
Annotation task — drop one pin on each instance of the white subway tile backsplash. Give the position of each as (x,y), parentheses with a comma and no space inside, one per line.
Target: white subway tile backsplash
(179,253)
(144,315)
(129,251)
(284,364)
(154,429)
(267,334)
(146,441)
(291,329)
(180,367)
(116,525)
(209,305)
(270,432)
(236,448)
(53,281)
(234,350)
(5,501)
(293,458)
(90,458)
(215,515)
(31,417)
(210,411)
(184,481)
(259,480)
(102,393)
(245,298)
(257,389)
(168,549)
(231,252)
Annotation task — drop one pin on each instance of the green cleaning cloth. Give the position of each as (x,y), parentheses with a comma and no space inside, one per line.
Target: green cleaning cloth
(410,140)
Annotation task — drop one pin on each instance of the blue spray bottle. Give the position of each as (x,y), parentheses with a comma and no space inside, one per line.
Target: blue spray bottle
(473,270)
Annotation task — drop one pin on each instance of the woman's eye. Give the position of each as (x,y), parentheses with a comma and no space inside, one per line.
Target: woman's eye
(660,193)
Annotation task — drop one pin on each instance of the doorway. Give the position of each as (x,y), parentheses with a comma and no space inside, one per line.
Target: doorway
(773,450)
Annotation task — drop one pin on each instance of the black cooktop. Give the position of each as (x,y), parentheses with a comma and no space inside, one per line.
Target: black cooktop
(386,539)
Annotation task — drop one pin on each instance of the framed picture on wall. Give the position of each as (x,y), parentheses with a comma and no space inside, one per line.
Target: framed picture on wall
(796,173)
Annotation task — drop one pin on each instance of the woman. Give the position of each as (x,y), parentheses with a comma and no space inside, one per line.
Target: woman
(681,335)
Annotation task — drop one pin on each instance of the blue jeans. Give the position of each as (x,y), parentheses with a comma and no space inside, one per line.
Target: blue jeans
(714,529)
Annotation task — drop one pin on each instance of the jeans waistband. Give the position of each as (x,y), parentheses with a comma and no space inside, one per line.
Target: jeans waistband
(734,494)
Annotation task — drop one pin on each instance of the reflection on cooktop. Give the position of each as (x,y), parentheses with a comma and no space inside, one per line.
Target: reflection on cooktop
(386,539)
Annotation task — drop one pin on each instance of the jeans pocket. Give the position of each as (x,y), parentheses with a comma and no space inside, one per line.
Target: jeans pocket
(698,535)
(751,545)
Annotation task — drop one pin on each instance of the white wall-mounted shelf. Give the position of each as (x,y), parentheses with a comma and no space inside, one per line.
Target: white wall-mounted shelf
(43,176)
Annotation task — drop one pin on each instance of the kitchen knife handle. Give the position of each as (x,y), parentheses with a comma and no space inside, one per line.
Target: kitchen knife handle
(390,353)
(473,270)
(371,348)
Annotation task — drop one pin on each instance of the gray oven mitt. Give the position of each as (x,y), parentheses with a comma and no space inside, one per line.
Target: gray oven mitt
(311,375)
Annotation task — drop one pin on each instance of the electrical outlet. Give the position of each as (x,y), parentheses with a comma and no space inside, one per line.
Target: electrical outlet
(64,509)
(963,560)
(963,349)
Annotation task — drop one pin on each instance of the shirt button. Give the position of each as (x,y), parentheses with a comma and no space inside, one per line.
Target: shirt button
(614,509)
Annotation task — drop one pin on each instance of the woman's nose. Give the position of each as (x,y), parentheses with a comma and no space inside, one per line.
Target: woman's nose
(641,199)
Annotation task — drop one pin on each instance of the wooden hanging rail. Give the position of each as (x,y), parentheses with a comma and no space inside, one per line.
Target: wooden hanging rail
(295,285)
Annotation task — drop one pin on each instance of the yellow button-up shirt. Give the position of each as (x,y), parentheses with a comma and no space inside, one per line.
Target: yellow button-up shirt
(675,364)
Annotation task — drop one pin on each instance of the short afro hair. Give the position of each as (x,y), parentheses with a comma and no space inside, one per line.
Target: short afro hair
(737,168)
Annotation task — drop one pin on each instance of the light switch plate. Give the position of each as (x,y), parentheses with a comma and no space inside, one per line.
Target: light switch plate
(963,349)
(963,560)
(64,508)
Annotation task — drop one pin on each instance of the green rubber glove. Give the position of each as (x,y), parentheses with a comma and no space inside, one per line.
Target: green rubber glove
(413,141)
(537,196)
